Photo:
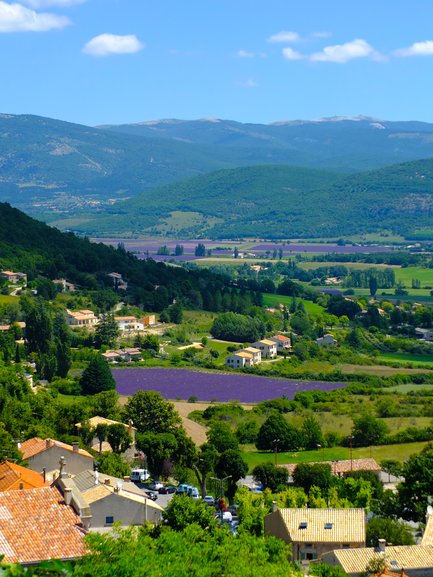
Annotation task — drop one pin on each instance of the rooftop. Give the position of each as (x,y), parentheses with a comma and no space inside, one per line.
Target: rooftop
(324,525)
(342,467)
(36,525)
(14,477)
(36,445)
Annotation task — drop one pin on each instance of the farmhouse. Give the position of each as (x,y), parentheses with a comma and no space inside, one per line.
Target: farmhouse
(239,360)
(14,277)
(82,318)
(129,323)
(314,532)
(327,340)
(424,334)
(283,343)
(267,347)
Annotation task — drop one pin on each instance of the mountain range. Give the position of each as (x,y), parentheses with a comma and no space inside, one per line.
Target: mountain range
(220,178)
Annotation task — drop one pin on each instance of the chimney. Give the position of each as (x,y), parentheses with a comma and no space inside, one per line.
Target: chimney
(44,473)
(21,485)
(85,520)
(75,447)
(107,482)
(382,543)
(68,495)
(126,478)
(274,506)
(47,443)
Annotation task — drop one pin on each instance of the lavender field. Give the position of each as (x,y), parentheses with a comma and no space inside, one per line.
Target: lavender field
(184,383)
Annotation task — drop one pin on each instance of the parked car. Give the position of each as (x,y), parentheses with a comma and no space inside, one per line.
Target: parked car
(152,495)
(167,490)
(209,500)
(193,492)
(156,485)
(182,489)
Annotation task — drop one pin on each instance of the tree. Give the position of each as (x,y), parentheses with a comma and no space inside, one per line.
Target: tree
(39,326)
(415,490)
(236,327)
(182,511)
(101,432)
(222,437)
(307,475)
(312,433)
(118,437)
(63,346)
(372,283)
(112,464)
(200,250)
(97,377)
(8,447)
(276,431)
(178,249)
(150,342)
(107,331)
(392,467)
(159,449)
(231,464)
(367,430)
(391,530)
(270,476)
(204,465)
(150,412)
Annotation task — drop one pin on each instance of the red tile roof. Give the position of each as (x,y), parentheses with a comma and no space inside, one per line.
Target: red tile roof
(36,525)
(14,477)
(36,445)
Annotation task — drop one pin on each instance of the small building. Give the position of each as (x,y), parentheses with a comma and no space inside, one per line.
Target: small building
(5,328)
(129,323)
(424,334)
(37,525)
(14,277)
(122,355)
(13,477)
(44,456)
(283,343)
(414,560)
(93,422)
(105,500)
(148,320)
(327,340)
(65,285)
(256,354)
(82,318)
(267,347)
(314,532)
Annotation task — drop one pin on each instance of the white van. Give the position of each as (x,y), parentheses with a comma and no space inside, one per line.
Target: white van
(139,475)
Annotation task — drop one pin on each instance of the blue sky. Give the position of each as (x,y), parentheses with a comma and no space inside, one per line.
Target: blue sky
(117,61)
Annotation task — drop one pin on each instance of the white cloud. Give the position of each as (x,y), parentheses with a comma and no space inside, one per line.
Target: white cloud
(290,54)
(249,83)
(244,54)
(342,53)
(417,49)
(18,18)
(284,37)
(321,34)
(106,44)
(46,3)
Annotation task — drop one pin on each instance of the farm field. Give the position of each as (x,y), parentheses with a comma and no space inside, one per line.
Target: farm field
(273,300)
(407,358)
(181,384)
(379,453)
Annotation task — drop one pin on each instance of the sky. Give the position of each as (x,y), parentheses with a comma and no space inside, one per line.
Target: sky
(99,62)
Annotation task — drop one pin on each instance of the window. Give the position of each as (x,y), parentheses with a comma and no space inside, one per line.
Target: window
(303,525)
(109,520)
(346,545)
(328,525)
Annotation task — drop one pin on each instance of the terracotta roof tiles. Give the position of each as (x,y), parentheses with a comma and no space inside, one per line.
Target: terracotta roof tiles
(35,525)
(14,476)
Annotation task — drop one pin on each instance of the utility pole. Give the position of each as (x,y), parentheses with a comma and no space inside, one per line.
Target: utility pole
(351,451)
(275,442)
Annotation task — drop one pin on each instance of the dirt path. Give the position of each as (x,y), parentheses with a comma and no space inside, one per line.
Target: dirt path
(194,430)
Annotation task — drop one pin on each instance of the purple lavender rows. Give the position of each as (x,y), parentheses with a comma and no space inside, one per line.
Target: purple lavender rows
(184,383)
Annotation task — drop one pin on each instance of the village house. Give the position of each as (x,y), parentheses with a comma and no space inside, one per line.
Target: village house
(5,328)
(314,532)
(93,422)
(122,355)
(14,277)
(267,347)
(283,343)
(65,285)
(37,525)
(82,318)
(13,477)
(327,340)
(44,456)
(424,334)
(239,360)
(104,500)
(414,560)
(129,323)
